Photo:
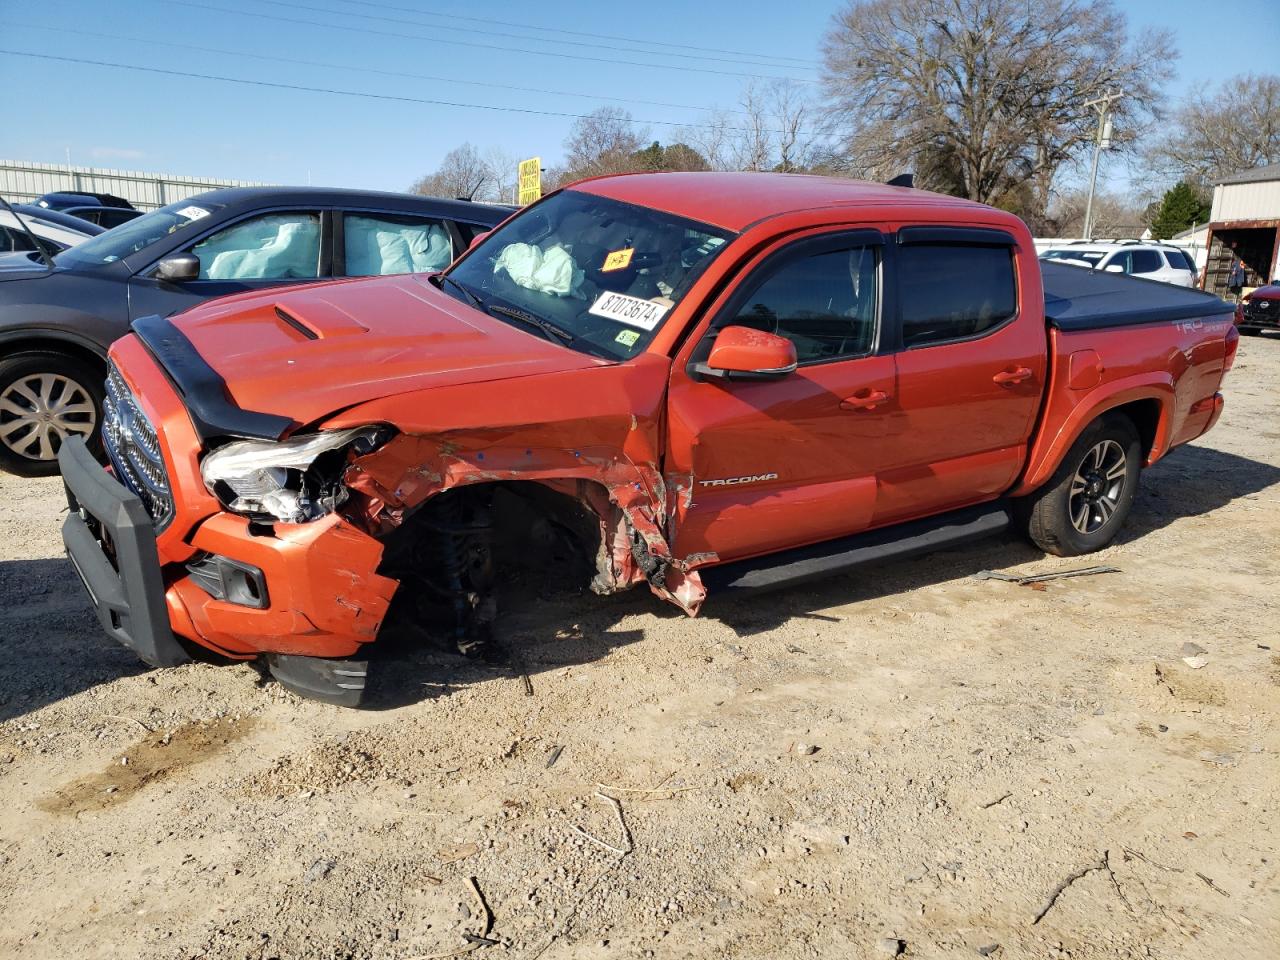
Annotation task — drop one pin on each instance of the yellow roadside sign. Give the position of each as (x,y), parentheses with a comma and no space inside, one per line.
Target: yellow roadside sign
(530,180)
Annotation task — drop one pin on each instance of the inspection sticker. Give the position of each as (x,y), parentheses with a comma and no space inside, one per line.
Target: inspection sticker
(627,338)
(632,311)
(618,260)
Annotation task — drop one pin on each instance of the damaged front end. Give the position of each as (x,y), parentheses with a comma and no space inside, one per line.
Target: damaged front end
(454,510)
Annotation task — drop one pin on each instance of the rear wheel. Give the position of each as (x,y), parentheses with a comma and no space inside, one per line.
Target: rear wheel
(45,398)
(1086,501)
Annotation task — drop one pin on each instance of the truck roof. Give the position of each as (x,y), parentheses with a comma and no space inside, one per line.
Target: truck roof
(735,201)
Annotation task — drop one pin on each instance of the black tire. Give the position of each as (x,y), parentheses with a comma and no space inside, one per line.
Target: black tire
(23,379)
(1079,490)
(1250,331)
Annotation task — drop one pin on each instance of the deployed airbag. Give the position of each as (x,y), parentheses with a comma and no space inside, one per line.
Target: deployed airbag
(552,271)
(377,247)
(274,247)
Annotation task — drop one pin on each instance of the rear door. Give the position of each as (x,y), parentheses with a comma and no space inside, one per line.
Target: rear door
(757,466)
(264,249)
(971,368)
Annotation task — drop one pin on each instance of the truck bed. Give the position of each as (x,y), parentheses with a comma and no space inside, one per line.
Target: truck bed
(1079,299)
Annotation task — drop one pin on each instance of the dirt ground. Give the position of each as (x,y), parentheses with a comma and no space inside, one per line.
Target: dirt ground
(903,759)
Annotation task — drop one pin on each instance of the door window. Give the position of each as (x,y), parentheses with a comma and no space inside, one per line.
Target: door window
(953,292)
(824,303)
(1146,261)
(379,244)
(276,246)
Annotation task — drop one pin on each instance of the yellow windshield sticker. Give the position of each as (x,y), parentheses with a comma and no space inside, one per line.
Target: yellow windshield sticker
(627,338)
(618,260)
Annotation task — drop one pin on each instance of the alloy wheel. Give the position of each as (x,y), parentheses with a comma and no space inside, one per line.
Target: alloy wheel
(1097,486)
(40,411)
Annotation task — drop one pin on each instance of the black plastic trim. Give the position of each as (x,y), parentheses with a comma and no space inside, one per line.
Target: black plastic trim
(966,236)
(128,597)
(203,391)
(231,580)
(788,568)
(339,682)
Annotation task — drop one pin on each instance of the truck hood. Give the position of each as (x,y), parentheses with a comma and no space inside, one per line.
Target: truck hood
(308,352)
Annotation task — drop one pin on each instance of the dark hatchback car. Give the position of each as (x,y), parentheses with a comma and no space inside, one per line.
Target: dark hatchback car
(56,323)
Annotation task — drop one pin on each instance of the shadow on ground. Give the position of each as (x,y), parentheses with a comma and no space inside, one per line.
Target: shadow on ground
(52,646)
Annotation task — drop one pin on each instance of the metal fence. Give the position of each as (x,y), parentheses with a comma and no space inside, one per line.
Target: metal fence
(22,182)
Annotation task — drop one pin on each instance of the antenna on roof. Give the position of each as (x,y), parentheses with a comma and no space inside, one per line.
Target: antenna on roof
(907,180)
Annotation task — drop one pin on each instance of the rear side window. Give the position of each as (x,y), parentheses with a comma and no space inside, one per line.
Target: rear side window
(1146,261)
(954,292)
(824,303)
(1179,260)
(380,244)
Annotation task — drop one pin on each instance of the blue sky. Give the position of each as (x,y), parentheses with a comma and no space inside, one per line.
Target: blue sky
(151,121)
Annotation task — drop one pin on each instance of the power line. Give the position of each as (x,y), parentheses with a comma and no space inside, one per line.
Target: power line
(700,57)
(273,58)
(399,35)
(800,61)
(342,93)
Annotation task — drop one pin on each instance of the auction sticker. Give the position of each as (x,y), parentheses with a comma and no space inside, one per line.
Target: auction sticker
(632,311)
(193,213)
(618,260)
(628,338)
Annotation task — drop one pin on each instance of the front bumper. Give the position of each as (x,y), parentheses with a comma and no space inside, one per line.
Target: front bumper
(111,542)
(1258,314)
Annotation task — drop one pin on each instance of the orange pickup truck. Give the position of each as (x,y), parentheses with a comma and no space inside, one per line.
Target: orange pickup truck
(705,383)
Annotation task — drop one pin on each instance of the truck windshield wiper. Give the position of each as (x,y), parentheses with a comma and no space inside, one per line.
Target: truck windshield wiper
(548,329)
(443,279)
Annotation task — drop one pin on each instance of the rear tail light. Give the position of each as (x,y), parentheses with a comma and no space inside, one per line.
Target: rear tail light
(1233,346)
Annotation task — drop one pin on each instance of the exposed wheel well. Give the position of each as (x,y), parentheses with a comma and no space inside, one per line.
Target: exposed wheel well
(1145,415)
(464,546)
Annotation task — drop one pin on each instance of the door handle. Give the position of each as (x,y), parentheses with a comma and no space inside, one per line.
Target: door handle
(1016,375)
(864,400)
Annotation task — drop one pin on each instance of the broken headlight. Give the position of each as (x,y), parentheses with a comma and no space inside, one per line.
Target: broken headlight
(292,480)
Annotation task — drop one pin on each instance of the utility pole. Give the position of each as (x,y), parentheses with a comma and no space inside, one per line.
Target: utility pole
(1102,106)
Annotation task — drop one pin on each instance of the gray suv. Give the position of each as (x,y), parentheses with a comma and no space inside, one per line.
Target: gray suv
(56,322)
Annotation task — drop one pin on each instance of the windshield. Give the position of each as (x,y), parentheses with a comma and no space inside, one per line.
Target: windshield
(1091,257)
(137,234)
(595,274)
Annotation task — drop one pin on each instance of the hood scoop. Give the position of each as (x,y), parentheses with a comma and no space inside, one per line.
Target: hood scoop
(319,319)
(293,322)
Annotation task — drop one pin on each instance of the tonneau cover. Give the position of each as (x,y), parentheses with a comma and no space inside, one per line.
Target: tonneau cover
(1077,298)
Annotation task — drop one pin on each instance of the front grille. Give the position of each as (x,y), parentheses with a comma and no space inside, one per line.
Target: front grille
(1262,310)
(134,450)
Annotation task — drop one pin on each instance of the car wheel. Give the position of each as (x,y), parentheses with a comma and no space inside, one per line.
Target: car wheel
(1250,331)
(46,397)
(1086,501)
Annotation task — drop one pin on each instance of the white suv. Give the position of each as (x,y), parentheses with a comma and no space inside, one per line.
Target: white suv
(1146,260)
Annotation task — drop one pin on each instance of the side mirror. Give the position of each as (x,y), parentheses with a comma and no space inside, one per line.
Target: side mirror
(1113,268)
(178,268)
(478,239)
(742,353)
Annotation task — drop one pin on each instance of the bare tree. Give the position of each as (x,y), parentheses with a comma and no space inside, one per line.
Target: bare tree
(983,96)
(462,173)
(604,141)
(1236,128)
(791,111)
(502,164)
(1115,215)
(753,146)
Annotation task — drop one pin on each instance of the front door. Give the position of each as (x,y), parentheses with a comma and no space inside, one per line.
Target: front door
(758,466)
